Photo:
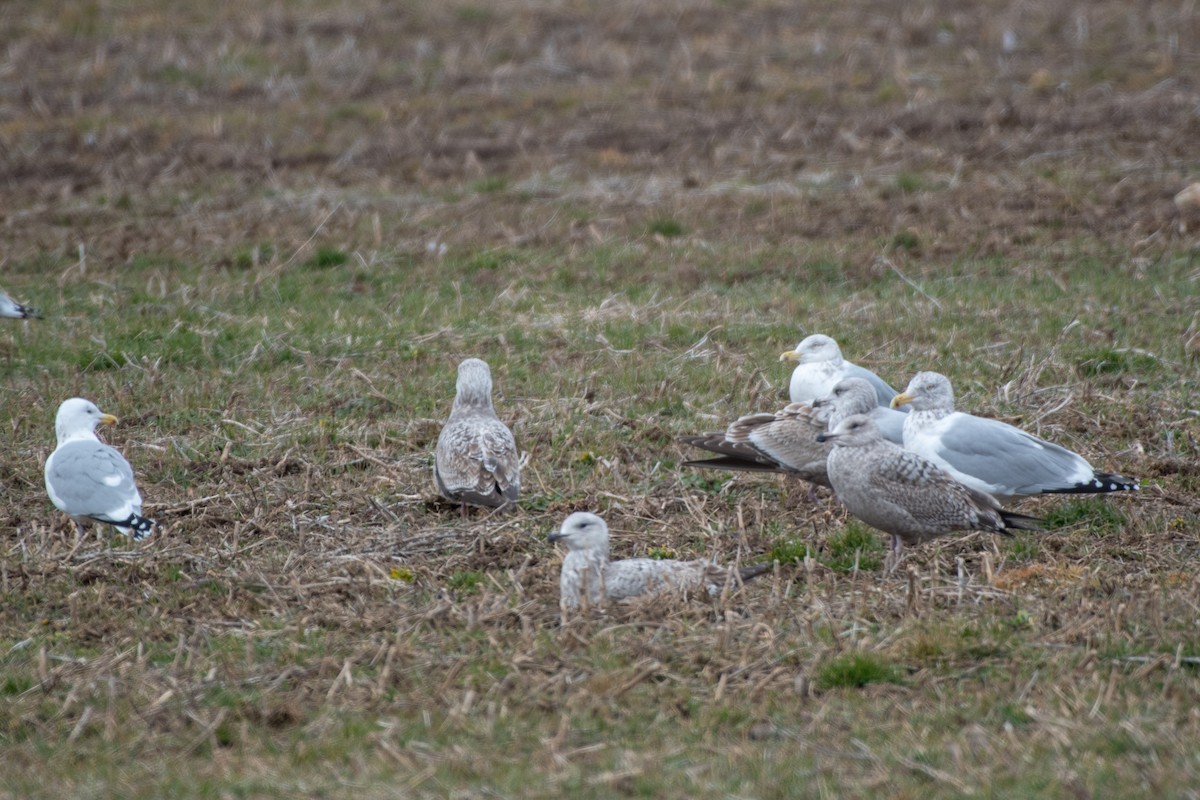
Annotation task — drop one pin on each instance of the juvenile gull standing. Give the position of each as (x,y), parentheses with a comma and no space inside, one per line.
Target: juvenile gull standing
(13,310)
(87,479)
(820,366)
(990,455)
(476,460)
(903,494)
(586,568)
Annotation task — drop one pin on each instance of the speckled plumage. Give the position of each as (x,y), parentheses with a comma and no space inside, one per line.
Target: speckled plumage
(13,310)
(990,455)
(476,460)
(87,479)
(904,494)
(785,442)
(821,365)
(586,570)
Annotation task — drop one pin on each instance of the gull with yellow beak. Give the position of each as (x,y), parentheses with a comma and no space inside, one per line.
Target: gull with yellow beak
(820,366)
(88,480)
(992,456)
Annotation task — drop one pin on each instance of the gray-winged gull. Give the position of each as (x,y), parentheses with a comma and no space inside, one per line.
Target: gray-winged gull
(856,396)
(990,455)
(586,568)
(13,310)
(820,366)
(476,460)
(903,494)
(87,479)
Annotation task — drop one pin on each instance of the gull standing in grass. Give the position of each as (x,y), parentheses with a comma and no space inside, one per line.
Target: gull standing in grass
(990,455)
(903,494)
(586,570)
(476,461)
(87,479)
(13,310)
(820,366)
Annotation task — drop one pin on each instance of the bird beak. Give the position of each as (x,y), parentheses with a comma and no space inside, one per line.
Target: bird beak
(901,399)
(108,419)
(826,437)
(790,355)
(555,536)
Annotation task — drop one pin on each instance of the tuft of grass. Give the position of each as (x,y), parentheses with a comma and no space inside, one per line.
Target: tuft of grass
(465,581)
(667,228)
(1097,514)
(789,551)
(909,183)
(1114,361)
(326,257)
(493,184)
(853,542)
(856,670)
(906,240)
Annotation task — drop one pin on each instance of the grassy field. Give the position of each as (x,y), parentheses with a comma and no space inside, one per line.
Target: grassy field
(265,237)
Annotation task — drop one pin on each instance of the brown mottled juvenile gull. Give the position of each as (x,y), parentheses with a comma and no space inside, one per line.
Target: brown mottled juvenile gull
(13,310)
(903,494)
(820,366)
(87,479)
(587,570)
(785,442)
(476,460)
(990,455)
(856,396)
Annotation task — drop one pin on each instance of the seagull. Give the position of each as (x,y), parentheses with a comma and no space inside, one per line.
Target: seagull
(13,310)
(820,366)
(87,479)
(990,455)
(784,442)
(587,570)
(476,461)
(904,494)
(852,396)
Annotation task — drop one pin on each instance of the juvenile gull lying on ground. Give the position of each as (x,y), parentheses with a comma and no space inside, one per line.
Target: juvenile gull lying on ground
(785,442)
(903,494)
(89,480)
(476,460)
(586,568)
(821,366)
(13,310)
(990,455)
(856,396)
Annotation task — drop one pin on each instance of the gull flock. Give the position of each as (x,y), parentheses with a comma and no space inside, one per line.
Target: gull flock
(906,463)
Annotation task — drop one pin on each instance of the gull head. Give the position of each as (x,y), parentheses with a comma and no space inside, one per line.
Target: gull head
(857,430)
(927,390)
(813,349)
(474,385)
(79,417)
(582,531)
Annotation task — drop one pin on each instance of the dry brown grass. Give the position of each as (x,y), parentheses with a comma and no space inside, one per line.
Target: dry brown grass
(264,237)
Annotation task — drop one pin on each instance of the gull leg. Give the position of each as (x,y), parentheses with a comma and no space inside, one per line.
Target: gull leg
(79,530)
(895,555)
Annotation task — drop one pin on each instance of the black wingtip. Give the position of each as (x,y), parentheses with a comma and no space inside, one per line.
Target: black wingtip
(1101,483)
(139,527)
(1021,522)
(753,571)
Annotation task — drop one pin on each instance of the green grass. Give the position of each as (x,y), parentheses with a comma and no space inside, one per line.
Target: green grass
(264,241)
(856,670)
